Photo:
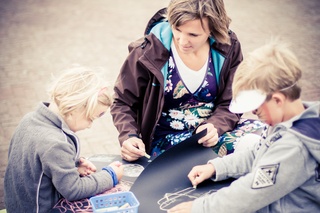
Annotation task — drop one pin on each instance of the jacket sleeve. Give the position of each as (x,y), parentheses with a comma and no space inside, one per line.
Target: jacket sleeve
(241,165)
(58,163)
(222,118)
(243,195)
(129,93)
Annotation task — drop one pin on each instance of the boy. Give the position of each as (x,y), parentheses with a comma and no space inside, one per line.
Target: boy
(43,162)
(281,172)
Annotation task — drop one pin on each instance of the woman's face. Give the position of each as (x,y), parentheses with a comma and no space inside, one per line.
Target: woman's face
(191,36)
(78,121)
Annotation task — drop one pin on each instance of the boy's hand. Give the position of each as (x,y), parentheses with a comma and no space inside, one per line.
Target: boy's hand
(200,173)
(184,207)
(86,167)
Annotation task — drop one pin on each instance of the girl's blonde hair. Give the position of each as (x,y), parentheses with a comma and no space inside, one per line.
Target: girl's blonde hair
(181,11)
(80,88)
(270,68)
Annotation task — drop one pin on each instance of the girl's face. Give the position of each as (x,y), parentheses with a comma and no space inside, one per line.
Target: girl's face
(78,121)
(191,36)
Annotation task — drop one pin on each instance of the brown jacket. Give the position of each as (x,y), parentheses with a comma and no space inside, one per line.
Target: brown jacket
(139,89)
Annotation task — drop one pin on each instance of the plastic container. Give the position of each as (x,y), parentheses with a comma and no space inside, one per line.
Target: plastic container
(120,202)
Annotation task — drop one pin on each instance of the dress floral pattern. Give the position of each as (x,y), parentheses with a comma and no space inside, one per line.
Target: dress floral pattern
(183,110)
(229,140)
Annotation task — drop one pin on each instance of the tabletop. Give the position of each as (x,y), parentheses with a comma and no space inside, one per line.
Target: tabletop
(165,177)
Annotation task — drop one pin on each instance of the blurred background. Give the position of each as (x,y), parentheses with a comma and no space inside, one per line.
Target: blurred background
(39,38)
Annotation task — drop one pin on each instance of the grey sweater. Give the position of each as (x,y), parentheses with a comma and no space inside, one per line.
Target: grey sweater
(42,165)
(281,174)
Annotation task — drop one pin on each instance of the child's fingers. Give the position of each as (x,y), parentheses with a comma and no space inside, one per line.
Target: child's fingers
(116,163)
(93,168)
(192,177)
(81,160)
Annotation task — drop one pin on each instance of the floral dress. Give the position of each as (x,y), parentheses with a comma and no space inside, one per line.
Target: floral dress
(183,110)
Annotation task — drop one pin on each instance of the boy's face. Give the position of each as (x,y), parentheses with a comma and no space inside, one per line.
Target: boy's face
(270,112)
(79,121)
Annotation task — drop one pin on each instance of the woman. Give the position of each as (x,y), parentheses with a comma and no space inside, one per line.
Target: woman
(177,79)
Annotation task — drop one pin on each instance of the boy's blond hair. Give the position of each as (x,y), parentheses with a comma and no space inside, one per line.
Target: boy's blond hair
(270,68)
(80,88)
(181,11)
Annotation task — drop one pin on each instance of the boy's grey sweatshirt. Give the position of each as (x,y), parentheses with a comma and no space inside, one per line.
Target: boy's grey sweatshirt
(280,174)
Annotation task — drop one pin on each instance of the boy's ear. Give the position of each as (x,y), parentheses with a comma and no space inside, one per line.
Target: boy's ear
(278,97)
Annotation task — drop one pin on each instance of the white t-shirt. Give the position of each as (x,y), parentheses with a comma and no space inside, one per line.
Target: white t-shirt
(191,78)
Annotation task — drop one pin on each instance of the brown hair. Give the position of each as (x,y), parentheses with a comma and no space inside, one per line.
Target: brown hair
(181,11)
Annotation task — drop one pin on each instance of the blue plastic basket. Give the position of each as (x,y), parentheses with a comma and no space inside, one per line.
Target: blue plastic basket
(113,203)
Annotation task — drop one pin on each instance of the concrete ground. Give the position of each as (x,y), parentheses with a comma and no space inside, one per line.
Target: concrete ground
(38,38)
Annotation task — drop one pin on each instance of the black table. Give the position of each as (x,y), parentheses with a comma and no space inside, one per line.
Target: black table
(162,182)
(158,183)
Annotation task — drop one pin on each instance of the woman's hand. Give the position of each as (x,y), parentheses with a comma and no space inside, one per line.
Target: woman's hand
(211,138)
(86,167)
(132,149)
(184,207)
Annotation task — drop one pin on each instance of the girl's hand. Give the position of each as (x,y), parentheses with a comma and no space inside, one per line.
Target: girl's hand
(86,167)
(118,169)
(211,138)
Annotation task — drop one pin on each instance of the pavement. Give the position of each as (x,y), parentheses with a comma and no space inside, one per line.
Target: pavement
(39,38)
